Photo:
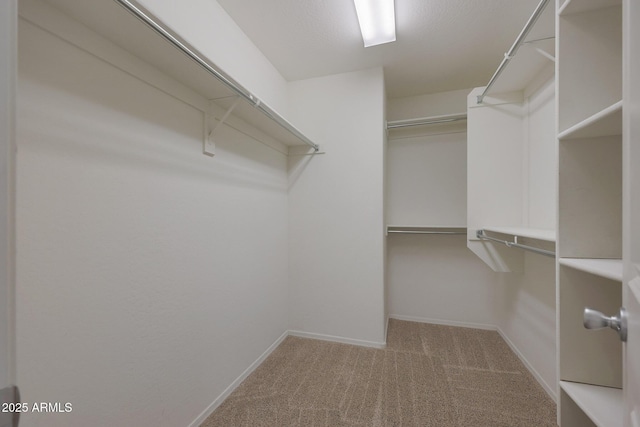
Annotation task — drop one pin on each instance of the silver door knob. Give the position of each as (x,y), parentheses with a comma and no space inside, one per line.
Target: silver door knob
(593,319)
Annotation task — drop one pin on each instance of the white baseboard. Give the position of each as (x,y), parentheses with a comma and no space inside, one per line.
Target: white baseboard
(550,390)
(386,329)
(218,401)
(444,322)
(342,340)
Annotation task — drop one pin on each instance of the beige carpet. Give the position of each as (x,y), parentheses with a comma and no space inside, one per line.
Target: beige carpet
(429,375)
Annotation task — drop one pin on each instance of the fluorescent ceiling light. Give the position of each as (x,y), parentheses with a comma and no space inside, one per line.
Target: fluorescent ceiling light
(377,21)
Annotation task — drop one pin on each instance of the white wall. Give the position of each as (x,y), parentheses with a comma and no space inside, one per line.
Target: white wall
(207,27)
(437,279)
(336,208)
(433,278)
(427,180)
(528,317)
(432,104)
(541,152)
(149,276)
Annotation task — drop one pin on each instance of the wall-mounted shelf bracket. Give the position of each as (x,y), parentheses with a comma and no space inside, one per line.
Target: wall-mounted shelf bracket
(209,145)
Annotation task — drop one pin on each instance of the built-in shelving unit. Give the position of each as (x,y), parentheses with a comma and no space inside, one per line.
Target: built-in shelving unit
(510,124)
(607,122)
(590,267)
(135,30)
(570,7)
(603,405)
(607,268)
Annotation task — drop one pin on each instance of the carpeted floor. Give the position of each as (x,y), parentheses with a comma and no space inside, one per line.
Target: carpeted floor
(429,375)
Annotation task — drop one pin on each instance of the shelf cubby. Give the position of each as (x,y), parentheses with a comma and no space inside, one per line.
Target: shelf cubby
(590,198)
(572,7)
(607,268)
(607,122)
(590,73)
(588,356)
(602,405)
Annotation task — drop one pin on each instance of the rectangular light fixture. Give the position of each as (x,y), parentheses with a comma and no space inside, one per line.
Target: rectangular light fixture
(377,21)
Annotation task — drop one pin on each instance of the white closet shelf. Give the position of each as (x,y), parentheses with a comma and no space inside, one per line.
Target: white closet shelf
(607,122)
(531,233)
(570,7)
(607,268)
(134,35)
(603,405)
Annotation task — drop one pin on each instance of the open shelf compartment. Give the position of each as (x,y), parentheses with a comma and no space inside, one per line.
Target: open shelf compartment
(603,405)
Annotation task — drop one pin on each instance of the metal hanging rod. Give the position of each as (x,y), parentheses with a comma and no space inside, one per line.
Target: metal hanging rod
(480,234)
(426,121)
(427,230)
(514,48)
(218,74)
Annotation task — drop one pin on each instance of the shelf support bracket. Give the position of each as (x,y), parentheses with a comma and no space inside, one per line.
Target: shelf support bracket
(209,147)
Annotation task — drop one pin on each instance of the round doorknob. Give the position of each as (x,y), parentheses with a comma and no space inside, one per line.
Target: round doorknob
(593,319)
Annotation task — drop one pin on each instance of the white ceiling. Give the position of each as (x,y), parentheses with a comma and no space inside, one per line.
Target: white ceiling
(441,44)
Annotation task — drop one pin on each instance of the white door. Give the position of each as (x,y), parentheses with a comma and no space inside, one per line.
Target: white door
(631,158)
(8,71)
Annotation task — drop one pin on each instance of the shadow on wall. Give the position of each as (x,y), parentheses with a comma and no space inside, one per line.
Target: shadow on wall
(134,124)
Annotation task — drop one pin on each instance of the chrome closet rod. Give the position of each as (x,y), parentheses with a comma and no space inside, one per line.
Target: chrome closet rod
(426,121)
(514,48)
(480,235)
(222,77)
(426,232)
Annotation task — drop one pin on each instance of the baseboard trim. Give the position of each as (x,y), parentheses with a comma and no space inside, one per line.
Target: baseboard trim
(218,401)
(444,322)
(386,330)
(342,340)
(550,391)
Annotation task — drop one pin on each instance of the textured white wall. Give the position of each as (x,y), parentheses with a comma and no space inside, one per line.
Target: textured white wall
(433,278)
(541,150)
(432,104)
(150,276)
(427,183)
(437,279)
(527,309)
(207,27)
(336,208)
(528,317)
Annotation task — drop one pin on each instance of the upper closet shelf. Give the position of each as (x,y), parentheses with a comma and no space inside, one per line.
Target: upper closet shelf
(570,7)
(533,49)
(607,122)
(135,30)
